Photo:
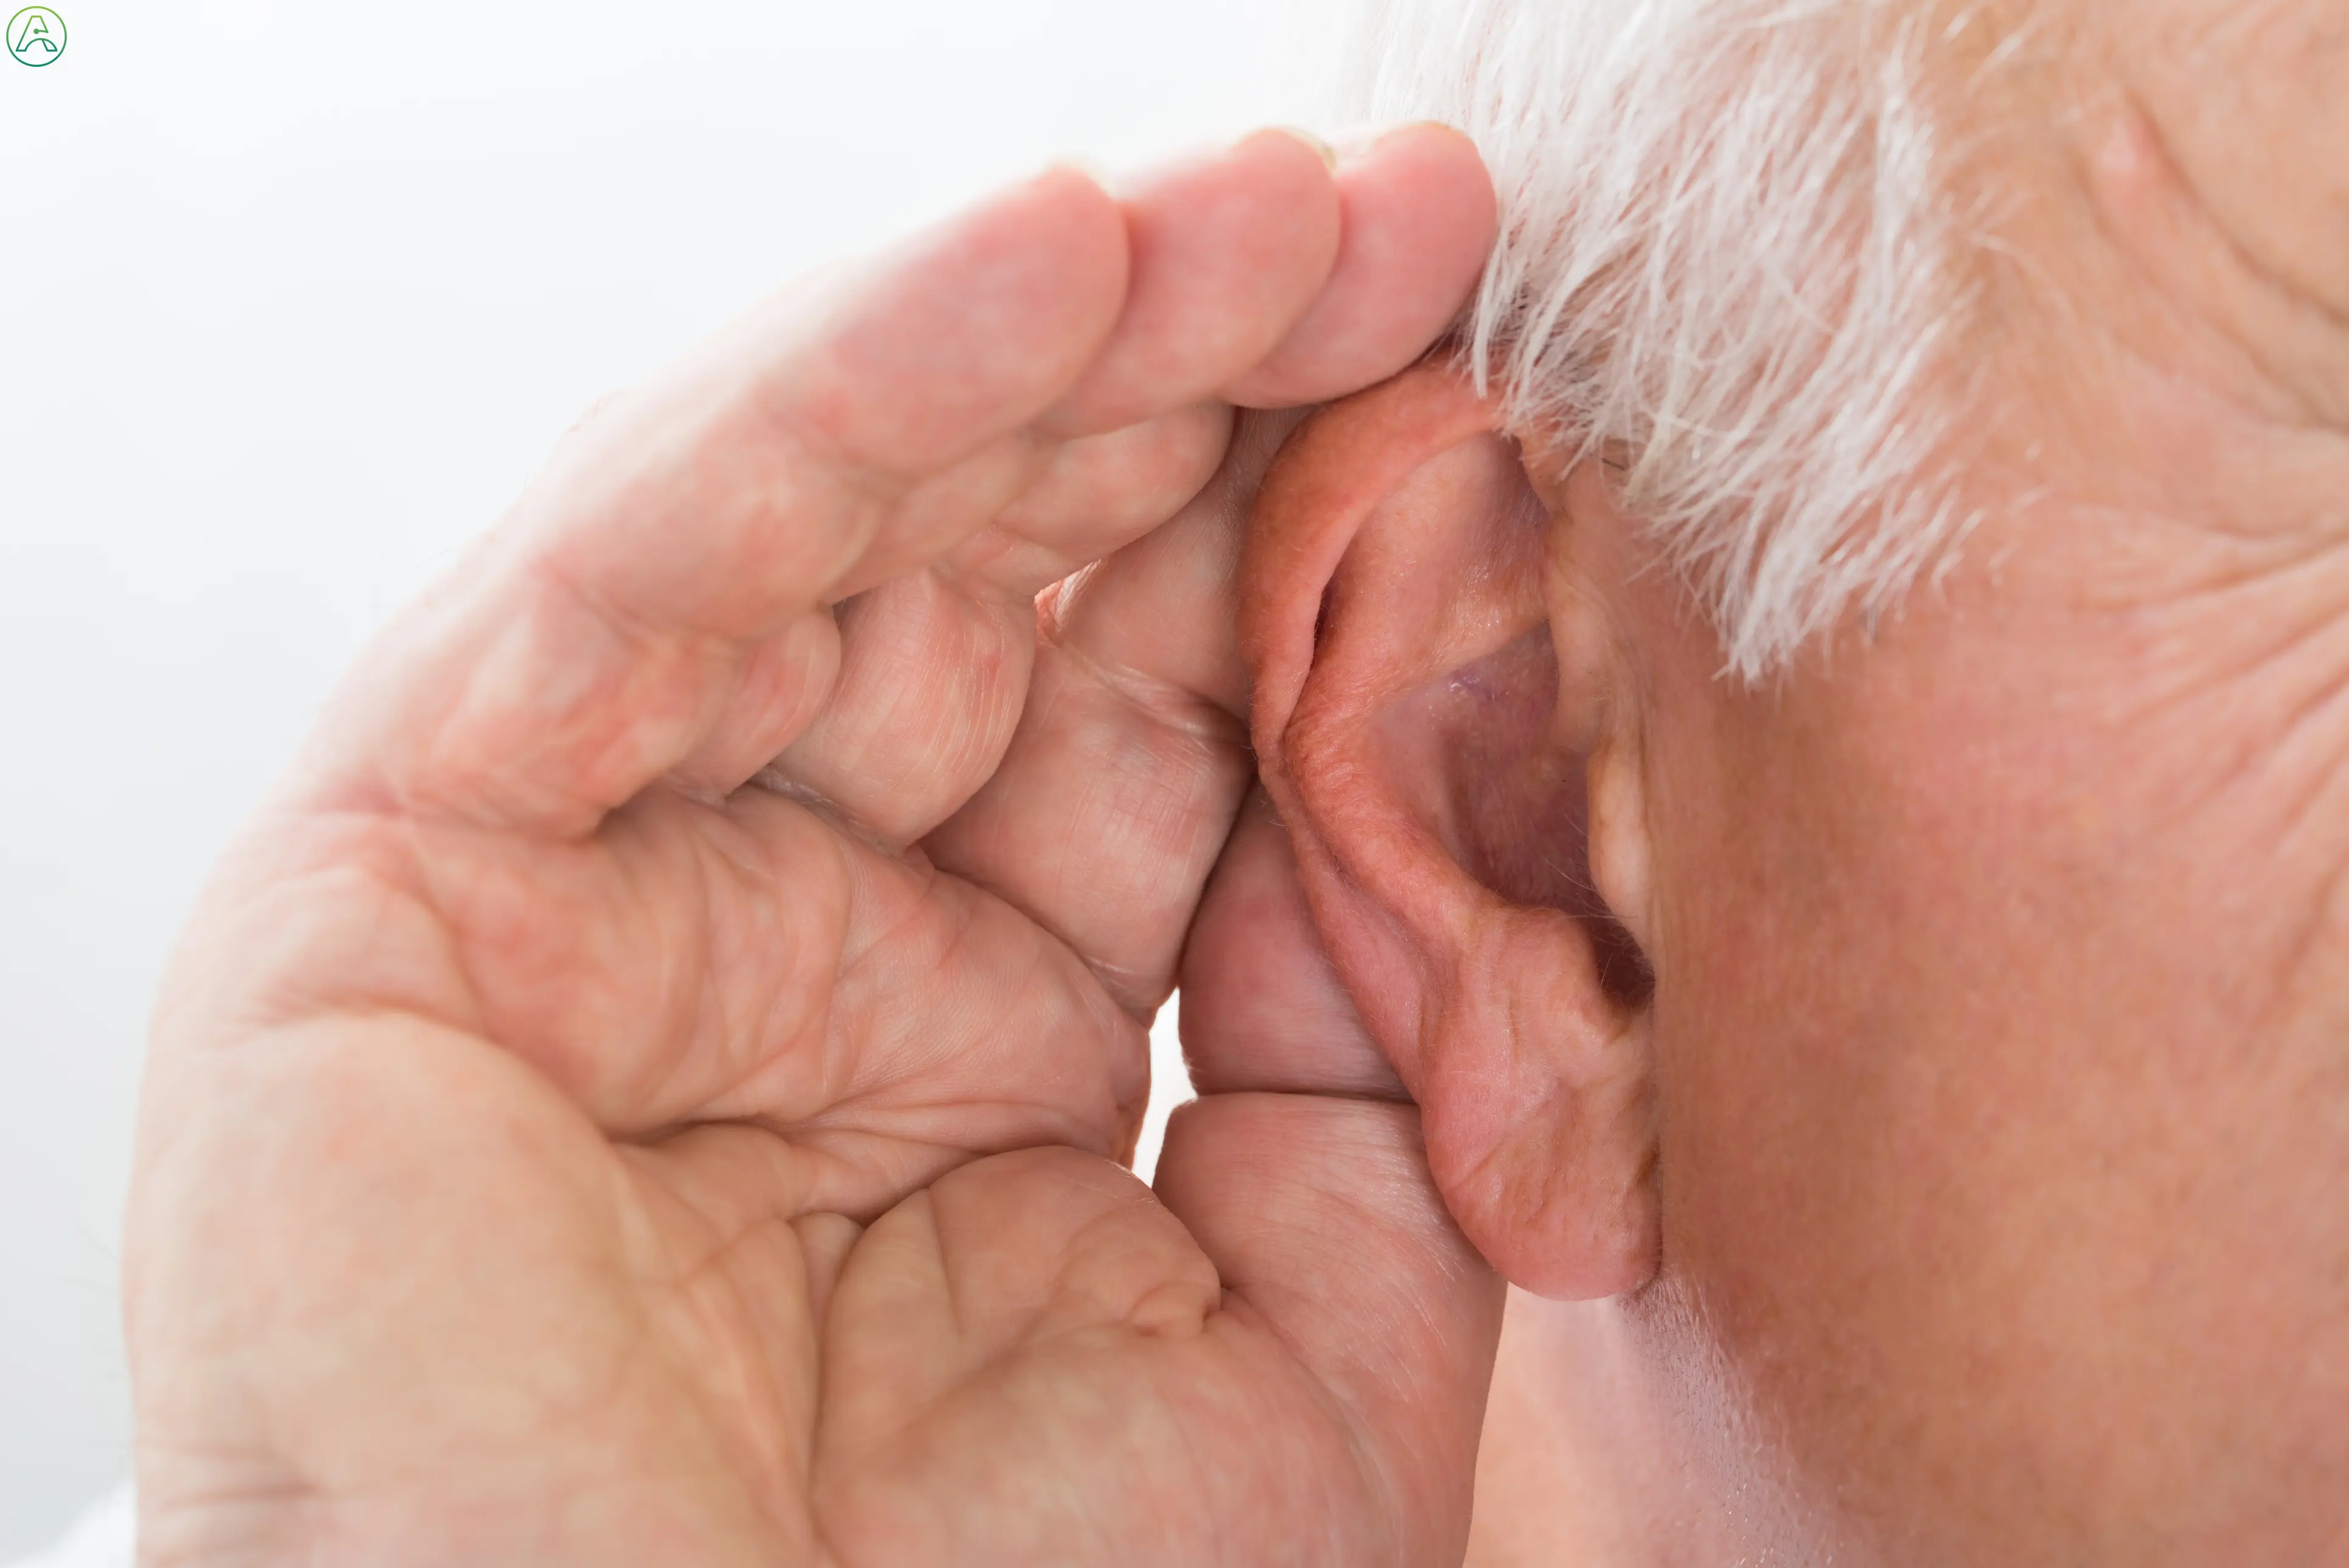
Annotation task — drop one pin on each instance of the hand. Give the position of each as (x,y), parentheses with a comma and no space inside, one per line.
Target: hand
(649,1087)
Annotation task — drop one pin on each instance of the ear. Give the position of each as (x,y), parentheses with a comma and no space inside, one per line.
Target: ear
(1444,717)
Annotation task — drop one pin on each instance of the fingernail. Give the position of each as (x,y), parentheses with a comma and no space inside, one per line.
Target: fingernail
(1322,148)
(1444,126)
(1092,169)
(1356,142)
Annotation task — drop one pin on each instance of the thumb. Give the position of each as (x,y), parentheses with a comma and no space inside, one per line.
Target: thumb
(1262,1006)
(1300,1173)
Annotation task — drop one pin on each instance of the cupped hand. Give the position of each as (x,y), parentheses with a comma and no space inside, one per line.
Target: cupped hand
(649,1087)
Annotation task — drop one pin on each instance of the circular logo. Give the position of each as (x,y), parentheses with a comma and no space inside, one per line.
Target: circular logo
(37,36)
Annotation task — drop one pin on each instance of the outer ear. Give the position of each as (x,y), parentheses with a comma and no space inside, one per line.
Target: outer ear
(1441,712)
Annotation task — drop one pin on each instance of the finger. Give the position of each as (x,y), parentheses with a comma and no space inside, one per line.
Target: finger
(1039,1315)
(749,963)
(1227,254)
(1262,1007)
(1419,218)
(935,664)
(1320,1217)
(778,687)
(846,432)
(841,429)
(1222,267)
(992,1254)
(1119,786)
(932,676)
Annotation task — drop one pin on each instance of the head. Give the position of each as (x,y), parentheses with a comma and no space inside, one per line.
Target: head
(1816,741)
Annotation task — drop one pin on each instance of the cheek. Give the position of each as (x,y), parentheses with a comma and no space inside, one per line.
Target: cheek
(1977,1172)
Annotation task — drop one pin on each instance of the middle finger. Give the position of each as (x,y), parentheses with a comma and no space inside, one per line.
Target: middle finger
(934,666)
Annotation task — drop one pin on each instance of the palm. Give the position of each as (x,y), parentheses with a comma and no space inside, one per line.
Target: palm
(558,1152)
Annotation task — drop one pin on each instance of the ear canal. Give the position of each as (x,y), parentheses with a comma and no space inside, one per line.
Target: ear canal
(1413,729)
(1507,793)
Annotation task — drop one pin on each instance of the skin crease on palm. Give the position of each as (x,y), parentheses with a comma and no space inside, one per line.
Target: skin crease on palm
(559,1149)
(556,1152)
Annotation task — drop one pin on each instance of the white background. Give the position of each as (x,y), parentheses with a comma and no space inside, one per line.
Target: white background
(294,297)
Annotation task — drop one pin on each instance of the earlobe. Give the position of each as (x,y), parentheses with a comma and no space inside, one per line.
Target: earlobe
(1431,690)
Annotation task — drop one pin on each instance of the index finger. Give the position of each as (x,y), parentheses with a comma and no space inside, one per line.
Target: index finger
(850,429)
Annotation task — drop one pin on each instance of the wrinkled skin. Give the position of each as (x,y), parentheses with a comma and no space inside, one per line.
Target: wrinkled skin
(560,1148)
(558,1152)
(1971,1186)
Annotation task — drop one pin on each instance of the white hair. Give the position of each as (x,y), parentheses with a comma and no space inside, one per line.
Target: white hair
(1730,264)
